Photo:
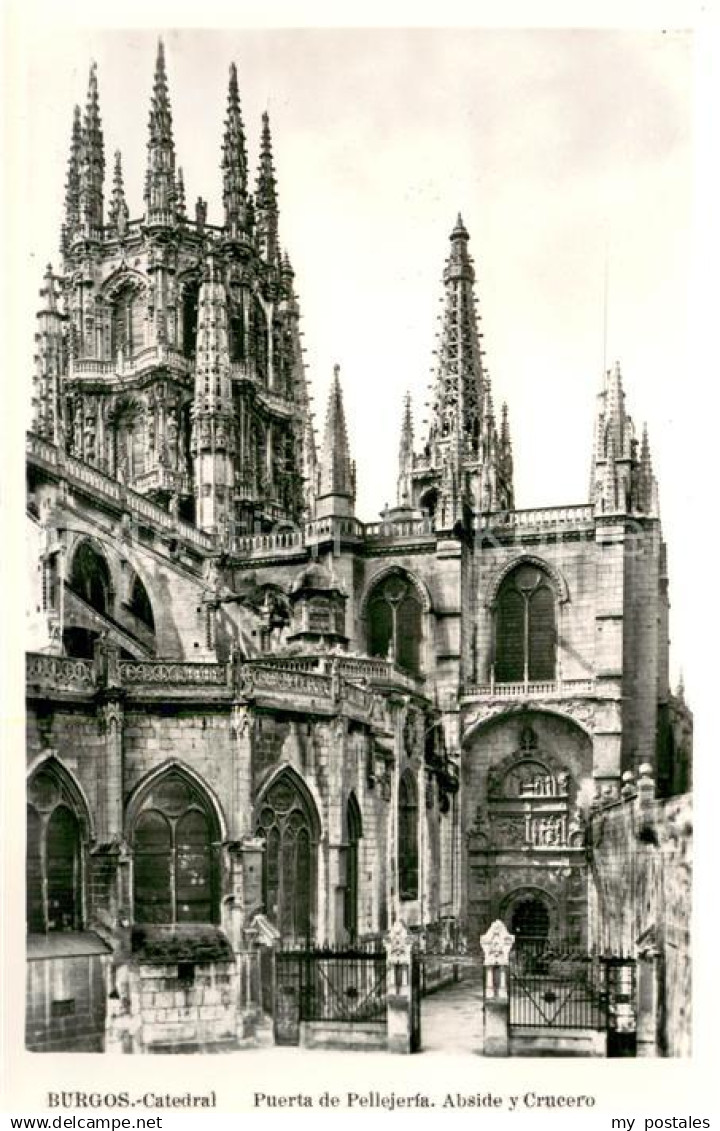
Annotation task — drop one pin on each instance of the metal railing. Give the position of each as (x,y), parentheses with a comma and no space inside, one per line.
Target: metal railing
(552,986)
(347,984)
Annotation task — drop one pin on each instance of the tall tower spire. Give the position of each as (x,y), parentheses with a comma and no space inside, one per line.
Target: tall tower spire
(92,164)
(213,443)
(72,184)
(456,406)
(234,163)
(118,213)
(336,487)
(266,207)
(160,185)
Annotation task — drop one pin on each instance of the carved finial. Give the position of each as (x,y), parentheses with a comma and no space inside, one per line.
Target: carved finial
(497,942)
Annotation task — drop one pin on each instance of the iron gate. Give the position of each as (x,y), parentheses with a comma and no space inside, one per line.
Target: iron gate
(555,988)
(346,984)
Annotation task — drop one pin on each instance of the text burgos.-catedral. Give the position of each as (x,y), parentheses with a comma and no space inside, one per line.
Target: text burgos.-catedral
(125,1099)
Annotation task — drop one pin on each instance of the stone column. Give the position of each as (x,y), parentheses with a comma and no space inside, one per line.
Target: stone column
(111,713)
(403,1004)
(496,944)
(241,728)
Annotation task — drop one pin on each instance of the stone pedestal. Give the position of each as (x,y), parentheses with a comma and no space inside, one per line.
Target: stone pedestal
(496,943)
(403,992)
(648,997)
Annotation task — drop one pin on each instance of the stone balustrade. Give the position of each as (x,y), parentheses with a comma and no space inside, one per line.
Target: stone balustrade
(79,473)
(280,680)
(399,528)
(173,674)
(40,448)
(537,690)
(46,674)
(120,367)
(541,517)
(360,669)
(59,673)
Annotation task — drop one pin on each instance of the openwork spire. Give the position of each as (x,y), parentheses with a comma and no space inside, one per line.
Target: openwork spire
(92,163)
(160,186)
(266,207)
(234,163)
(336,492)
(119,213)
(457,396)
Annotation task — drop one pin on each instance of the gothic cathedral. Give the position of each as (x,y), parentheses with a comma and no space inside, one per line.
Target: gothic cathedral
(255,719)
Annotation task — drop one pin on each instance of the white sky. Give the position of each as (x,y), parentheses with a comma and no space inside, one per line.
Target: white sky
(554,144)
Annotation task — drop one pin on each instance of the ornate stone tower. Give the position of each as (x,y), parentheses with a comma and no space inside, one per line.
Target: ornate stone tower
(621,478)
(466,464)
(171,357)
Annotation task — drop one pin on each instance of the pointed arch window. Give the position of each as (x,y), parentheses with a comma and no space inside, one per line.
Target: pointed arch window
(54,855)
(128,322)
(395,623)
(174,839)
(408,854)
(190,300)
(90,578)
(525,627)
(288,824)
(353,822)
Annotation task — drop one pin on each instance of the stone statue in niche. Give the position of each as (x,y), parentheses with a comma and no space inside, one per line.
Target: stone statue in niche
(171,436)
(546,831)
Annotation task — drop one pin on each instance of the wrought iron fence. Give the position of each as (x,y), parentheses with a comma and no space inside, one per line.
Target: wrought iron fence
(344,984)
(554,986)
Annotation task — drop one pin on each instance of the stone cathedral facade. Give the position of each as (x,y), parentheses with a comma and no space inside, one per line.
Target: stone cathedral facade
(254,718)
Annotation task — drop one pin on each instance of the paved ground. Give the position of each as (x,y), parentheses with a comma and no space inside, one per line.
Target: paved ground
(451,1018)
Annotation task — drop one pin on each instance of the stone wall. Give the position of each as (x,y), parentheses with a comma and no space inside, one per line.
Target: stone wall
(184,1007)
(641,902)
(66,1003)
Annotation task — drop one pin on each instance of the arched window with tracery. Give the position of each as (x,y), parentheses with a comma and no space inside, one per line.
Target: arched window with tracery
(90,578)
(394,616)
(525,627)
(175,865)
(408,851)
(353,823)
(128,322)
(55,833)
(288,823)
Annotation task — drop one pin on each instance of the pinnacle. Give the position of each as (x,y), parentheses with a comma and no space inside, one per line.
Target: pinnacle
(160,72)
(459,231)
(335,465)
